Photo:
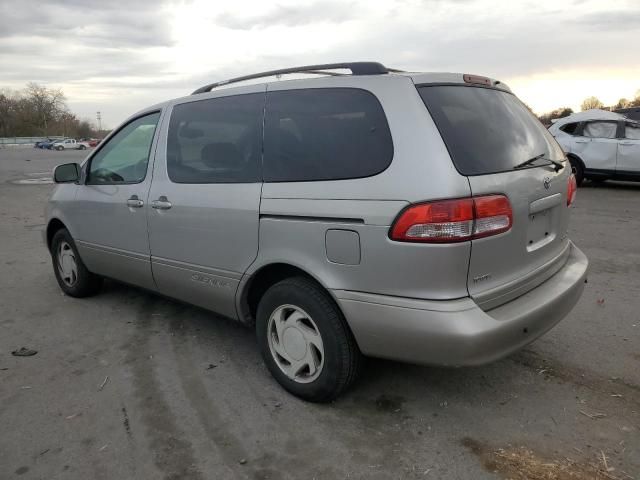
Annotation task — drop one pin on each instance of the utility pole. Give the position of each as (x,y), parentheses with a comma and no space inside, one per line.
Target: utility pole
(99,118)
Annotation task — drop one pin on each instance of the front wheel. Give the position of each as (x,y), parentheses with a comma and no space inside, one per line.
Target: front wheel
(82,147)
(305,341)
(72,275)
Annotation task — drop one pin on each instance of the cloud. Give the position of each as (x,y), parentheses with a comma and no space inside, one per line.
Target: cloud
(621,20)
(290,16)
(119,55)
(115,23)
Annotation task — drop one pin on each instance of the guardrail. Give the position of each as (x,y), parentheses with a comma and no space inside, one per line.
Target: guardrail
(26,140)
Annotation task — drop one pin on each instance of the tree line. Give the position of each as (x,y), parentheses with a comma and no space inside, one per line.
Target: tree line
(588,104)
(38,111)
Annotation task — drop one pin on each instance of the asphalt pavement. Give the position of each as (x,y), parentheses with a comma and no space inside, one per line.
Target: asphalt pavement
(130,385)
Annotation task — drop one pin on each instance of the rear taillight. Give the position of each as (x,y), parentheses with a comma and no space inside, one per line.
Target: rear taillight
(572,189)
(448,221)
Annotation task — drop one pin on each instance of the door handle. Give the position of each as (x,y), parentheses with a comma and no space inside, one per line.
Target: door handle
(583,141)
(625,143)
(161,203)
(134,202)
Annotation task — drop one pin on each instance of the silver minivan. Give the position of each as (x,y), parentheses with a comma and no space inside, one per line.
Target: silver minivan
(419,217)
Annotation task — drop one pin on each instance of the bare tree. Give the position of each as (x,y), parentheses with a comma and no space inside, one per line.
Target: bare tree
(591,102)
(622,103)
(47,103)
(557,113)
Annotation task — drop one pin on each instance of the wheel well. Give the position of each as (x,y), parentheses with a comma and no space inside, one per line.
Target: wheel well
(260,283)
(573,156)
(52,228)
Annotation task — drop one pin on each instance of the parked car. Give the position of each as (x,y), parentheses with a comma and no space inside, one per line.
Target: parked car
(68,144)
(45,143)
(39,143)
(600,145)
(420,217)
(632,113)
(94,142)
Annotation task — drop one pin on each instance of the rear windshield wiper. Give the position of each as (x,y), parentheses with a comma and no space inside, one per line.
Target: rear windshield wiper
(557,165)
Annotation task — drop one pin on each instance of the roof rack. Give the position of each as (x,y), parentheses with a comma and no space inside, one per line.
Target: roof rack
(357,68)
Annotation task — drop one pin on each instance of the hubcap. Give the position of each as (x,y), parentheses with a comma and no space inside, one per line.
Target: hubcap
(295,343)
(67,267)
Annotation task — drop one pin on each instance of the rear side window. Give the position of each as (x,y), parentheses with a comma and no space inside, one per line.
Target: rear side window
(600,129)
(487,130)
(632,131)
(218,140)
(325,134)
(570,128)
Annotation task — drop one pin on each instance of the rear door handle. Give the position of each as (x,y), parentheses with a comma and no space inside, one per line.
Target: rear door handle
(625,143)
(161,203)
(583,141)
(134,202)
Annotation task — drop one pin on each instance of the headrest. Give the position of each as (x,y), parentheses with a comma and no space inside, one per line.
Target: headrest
(221,155)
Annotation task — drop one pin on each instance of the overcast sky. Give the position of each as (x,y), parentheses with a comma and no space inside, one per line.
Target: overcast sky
(118,56)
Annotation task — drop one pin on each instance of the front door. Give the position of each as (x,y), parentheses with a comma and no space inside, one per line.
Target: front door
(110,211)
(601,149)
(629,150)
(205,198)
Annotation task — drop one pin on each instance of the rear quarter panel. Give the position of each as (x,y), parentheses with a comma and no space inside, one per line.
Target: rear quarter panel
(421,170)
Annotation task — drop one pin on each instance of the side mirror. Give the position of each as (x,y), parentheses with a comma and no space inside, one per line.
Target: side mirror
(66,173)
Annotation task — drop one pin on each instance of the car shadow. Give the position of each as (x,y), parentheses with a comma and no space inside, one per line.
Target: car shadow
(611,185)
(383,384)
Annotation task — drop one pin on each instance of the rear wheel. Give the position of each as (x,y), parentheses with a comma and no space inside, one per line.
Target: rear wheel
(305,341)
(72,275)
(60,148)
(578,170)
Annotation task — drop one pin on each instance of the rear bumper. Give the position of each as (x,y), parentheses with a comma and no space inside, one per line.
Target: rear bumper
(458,332)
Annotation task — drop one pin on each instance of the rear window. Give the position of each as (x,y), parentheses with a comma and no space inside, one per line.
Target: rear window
(632,131)
(324,134)
(487,130)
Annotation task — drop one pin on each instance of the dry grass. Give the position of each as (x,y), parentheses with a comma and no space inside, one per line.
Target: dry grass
(520,463)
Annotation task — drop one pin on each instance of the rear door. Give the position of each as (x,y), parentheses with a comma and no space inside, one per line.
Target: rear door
(629,150)
(205,197)
(489,132)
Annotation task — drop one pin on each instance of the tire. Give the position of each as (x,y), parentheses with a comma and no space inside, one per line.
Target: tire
(72,275)
(59,148)
(82,147)
(300,303)
(578,170)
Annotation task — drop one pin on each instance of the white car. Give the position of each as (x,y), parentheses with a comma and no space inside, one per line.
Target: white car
(600,145)
(69,144)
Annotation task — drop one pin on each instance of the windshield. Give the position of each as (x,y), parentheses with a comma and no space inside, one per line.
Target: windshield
(487,130)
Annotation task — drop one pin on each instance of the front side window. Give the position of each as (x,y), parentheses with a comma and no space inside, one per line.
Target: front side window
(632,131)
(324,134)
(124,158)
(600,129)
(217,140)
(570,128)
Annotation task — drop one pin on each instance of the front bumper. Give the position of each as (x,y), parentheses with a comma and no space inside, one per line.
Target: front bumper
(459,332)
